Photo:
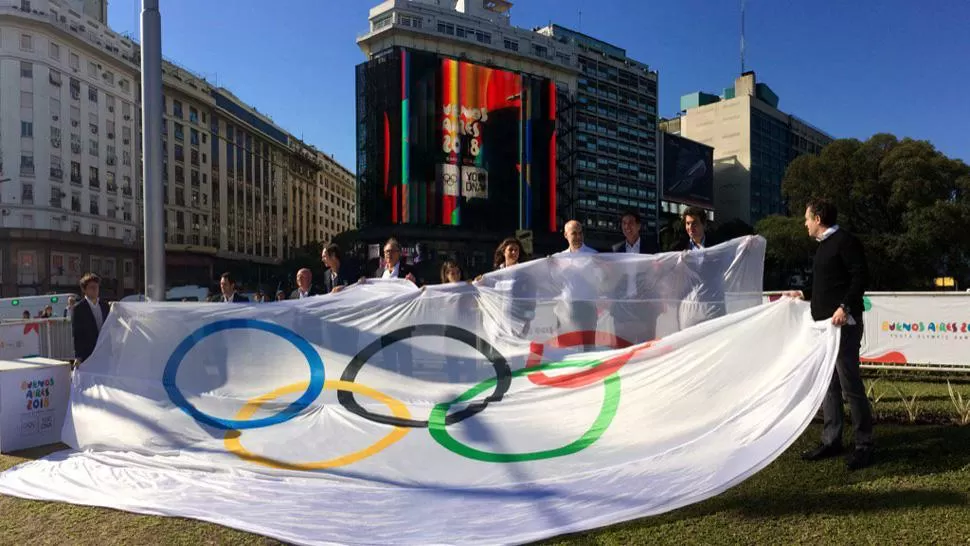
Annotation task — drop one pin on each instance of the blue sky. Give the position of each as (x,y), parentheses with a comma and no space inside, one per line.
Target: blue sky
(850,68)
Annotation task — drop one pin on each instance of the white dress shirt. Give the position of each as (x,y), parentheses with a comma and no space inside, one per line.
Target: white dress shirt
(828,233)
(581,250)
(96,311)
(634,248)
(392,273)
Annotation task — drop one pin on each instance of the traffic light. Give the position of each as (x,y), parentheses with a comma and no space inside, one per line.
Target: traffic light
(53,299)
(15,303)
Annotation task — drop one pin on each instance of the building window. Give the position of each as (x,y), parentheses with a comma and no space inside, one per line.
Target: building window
(382,22)
(27,193)
(179,153)
(74,61)
(540,50)
(109,77)
(193,115)
(95,230)
(194,137)
(511,45)
(93,205)
(26,70)
(26,42)
(26,165)
(56,197)
(92,69)
(93,180)
(26,129)
(76,202)
(179,132)
(93,147)
(446,28)
(75,89)
(57,171)
(93,95)
(177,109)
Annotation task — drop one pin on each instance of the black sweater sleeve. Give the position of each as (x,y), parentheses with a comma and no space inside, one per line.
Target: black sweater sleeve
(853,256)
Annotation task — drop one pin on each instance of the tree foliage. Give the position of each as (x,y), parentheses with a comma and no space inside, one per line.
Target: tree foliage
(909,203)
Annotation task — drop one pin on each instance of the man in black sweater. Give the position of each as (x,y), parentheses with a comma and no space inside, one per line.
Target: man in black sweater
(839,276)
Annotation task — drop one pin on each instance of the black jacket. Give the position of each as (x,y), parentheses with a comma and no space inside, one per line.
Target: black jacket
(709,241)
(345,276)
(403,271)
(295,294)
(236,298)
(840,274)
(85,329)
(648,245)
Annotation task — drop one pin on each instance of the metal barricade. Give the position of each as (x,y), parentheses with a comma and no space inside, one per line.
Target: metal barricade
(57,340)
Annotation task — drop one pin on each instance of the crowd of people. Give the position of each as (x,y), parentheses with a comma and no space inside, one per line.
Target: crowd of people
(839,281)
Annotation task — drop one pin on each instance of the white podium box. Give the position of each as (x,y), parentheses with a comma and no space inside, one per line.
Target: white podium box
(34,394)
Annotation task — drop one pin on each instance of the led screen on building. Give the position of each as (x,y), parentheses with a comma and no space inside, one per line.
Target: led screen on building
(447,142)
(688,171)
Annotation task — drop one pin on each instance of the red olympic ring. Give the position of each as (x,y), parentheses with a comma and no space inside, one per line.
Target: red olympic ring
(586,377)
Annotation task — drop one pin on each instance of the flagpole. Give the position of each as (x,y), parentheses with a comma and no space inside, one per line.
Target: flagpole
(151,103)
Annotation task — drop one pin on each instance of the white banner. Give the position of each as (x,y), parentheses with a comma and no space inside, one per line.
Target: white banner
(390,415)
(19,339)
(915,328)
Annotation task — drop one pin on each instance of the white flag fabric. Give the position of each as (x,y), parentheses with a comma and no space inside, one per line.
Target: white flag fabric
(522,407)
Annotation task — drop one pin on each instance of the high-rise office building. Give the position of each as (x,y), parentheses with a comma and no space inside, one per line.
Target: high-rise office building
(616,135)
(570,130)
(458,113)
(753,144)
(238,188)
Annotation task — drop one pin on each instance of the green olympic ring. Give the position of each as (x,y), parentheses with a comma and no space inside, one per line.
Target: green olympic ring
(611,402)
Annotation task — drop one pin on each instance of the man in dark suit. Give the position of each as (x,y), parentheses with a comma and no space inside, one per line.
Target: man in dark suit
(703,289)
(839,277)
(635,310)
(304,285)
(228,287)
(397,356)
(394,266)
(695,226)
(338,274)
(632,243)
(88,316)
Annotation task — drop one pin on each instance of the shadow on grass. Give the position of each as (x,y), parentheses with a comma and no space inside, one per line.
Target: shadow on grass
(35,453)
(792,487)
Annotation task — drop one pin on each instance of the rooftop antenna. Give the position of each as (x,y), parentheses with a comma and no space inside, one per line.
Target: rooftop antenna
(743,2)
(580,20)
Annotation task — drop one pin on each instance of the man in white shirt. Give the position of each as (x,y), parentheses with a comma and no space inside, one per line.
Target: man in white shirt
(578,309)
(304,288)
(573,232)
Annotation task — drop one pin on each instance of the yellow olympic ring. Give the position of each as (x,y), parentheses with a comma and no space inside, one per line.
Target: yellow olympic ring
(398,409)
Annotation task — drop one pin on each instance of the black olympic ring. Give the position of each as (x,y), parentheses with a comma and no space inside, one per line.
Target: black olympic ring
(503,374)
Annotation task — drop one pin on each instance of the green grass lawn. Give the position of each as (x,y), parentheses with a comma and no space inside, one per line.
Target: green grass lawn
(918,492)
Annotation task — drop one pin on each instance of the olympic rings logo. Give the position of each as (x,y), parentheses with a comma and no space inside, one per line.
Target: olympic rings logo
(399,417)
(313,387)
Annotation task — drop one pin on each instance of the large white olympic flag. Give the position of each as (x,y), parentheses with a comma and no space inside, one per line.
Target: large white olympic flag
(520,408)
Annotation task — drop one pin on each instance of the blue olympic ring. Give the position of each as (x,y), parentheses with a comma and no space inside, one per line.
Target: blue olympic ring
(313,390)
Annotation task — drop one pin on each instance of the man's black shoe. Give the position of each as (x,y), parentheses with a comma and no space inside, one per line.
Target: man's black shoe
(859,459)
(822,452)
